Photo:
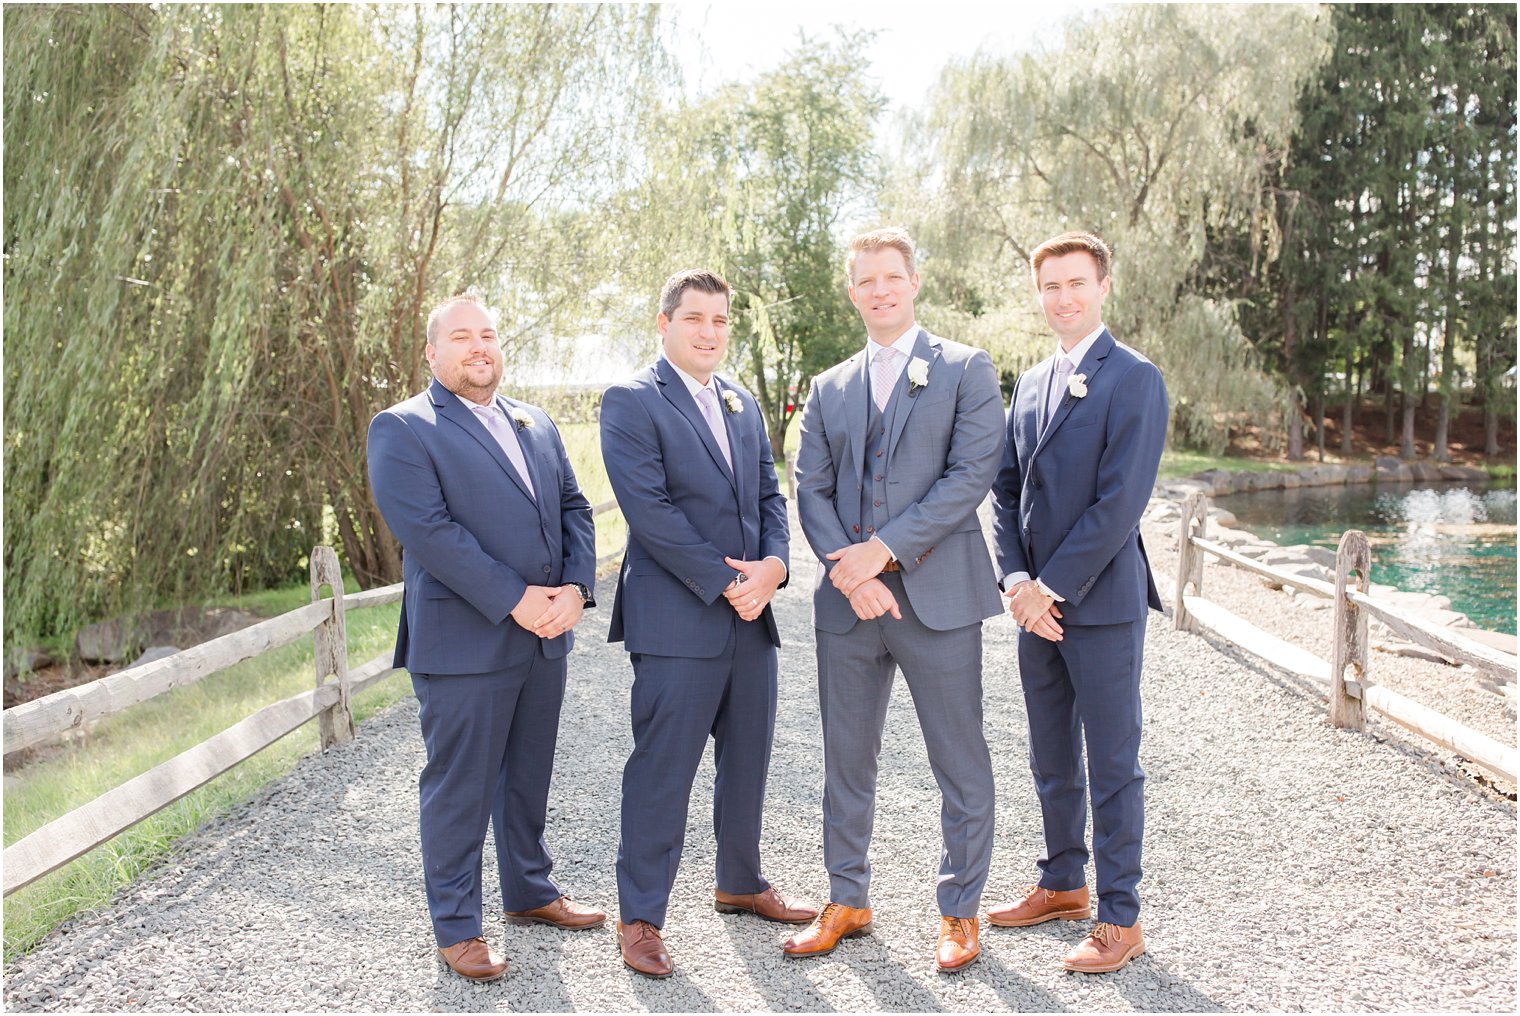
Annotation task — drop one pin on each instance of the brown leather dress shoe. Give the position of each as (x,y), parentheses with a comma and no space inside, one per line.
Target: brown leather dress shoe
(1107,947)
(1041,905)
(770,905)
(643,949)
(562,913)
(836,922)
(473,959)
(958,946)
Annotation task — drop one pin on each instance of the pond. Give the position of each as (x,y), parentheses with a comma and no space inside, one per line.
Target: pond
(1453,539)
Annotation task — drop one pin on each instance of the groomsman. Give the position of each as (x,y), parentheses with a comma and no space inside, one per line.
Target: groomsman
(899,445)
(1085,433)
(689,460)
(499,553)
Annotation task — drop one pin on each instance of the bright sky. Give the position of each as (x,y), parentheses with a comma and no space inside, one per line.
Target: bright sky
(721,42)
(737,41)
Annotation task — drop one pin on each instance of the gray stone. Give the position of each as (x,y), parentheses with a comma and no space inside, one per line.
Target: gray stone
(1425,471)
(26,661)
(1222,517)
(153,653)
(110,641)
(1360,474)
(1466,474)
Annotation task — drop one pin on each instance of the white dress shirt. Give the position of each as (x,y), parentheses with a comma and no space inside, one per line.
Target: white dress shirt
(1075,357)
(904,345)
(694,386)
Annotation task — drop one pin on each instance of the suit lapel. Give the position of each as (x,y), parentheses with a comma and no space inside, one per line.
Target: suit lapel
(674,390)
(742,468)
(924,350)
(529,445)
(1088,368)
(857,393)
(450,408)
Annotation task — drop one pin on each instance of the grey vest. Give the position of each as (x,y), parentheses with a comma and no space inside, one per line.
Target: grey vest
(873,487)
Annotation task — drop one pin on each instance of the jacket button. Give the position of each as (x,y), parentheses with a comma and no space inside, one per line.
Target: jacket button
(547,569)
(877,503)
(856,528)
(869,529)
(878,477)
(878,455)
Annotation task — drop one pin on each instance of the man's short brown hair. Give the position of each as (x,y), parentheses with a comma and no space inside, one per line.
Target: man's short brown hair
(1071,243)
(444,307)
(894,237)
(699,279)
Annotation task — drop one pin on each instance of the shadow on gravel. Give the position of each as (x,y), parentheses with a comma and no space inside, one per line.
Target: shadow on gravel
(1017,991)
(1149,986)
(673,994)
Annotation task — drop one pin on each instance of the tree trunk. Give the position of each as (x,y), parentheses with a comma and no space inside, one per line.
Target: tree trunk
(1319,421)
(1348,414)
(1296,426)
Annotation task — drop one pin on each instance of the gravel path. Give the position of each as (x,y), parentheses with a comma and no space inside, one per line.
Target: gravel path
(1289,866)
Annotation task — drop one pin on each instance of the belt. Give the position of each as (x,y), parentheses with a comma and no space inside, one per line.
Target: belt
(892,566)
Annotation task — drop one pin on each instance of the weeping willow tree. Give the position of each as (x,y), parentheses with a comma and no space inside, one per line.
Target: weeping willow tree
(222,227)
(1149,125)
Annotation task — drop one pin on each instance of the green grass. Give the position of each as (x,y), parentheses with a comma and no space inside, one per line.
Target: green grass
(1181,462)
(64,777)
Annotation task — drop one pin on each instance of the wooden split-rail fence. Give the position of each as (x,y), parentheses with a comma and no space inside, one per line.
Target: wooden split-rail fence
(1350,696)
(47,719)
(52,717)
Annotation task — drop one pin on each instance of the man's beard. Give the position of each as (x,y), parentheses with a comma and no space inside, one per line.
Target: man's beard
(458,382)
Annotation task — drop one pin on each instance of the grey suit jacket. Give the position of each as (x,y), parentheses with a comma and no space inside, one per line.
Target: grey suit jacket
(941,456)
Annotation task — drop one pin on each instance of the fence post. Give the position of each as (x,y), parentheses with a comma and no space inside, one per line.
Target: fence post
(1350,631)
(1195,521)
(331,648)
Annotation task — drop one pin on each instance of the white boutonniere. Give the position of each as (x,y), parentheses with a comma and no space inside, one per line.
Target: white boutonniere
(1077,385)
(521,418)
(918,374)
(732,403)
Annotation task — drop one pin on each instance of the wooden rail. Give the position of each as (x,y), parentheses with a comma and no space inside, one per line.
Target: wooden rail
(86,827)
(1350,696)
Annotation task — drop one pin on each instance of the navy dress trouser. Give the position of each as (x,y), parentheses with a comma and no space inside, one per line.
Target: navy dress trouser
(678,702)
(490,754)
(1087,687)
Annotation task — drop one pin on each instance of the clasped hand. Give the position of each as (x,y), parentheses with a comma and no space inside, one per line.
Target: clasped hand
(1034,610)
(749,596)
(549,611)
(856,564)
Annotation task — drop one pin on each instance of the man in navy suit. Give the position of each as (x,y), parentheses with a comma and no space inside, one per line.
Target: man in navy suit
(1085,433)
(499,557)
(690,463)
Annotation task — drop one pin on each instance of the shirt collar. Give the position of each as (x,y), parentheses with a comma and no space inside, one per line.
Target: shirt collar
(903,343)
(476,407)
(1080,349)
(692,384)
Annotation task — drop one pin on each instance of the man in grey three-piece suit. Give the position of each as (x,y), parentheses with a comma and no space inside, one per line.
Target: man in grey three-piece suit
(900,444)
(689,460)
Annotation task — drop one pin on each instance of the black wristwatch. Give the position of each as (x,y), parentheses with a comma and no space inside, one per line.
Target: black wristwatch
(580,587)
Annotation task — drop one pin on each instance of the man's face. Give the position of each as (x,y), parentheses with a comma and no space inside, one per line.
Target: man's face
(883,290)
(1072,296)
(466,359)
(695,336)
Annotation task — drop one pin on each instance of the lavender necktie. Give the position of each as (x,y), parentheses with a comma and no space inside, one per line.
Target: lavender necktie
(883,377)
(501,429)
(707,401)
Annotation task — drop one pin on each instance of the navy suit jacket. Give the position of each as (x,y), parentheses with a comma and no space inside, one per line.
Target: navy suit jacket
(1070,494)
(686,511)
(473,538)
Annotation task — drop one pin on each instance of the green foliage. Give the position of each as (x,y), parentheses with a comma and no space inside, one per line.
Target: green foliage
(223,226)
(1149,126)
(756,182)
